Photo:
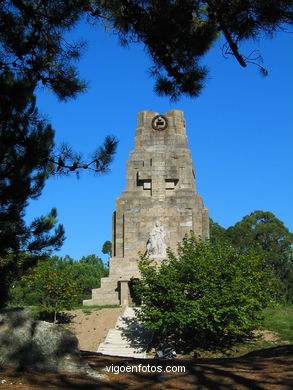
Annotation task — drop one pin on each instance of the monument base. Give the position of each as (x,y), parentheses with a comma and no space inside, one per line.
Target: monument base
(116,288)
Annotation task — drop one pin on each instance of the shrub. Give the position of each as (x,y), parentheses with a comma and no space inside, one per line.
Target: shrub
(206,295)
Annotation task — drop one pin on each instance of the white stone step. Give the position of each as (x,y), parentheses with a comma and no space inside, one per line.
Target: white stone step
(129,352)
(121,348)
(126,354)
(120,342)
(128,338)
(121,338)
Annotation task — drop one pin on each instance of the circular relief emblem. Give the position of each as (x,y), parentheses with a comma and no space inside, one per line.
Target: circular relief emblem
(159,122)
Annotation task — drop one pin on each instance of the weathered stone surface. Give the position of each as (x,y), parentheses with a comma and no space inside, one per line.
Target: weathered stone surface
(38,345)
(160,186)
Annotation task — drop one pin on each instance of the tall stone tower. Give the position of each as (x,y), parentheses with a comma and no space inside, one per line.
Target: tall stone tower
(160,204)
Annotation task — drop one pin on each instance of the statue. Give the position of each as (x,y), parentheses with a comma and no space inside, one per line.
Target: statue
(156,246)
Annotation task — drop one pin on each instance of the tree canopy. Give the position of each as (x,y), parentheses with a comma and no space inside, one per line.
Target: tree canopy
(83,276)
(178,33)
(107,248)
(217,233)
(267,235)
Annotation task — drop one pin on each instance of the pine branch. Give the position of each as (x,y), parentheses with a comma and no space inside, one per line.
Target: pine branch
(67,161)
(233,45)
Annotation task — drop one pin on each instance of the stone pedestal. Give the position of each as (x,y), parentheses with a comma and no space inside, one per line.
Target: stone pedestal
(160,186)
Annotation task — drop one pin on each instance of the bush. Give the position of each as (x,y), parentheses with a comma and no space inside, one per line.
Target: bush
(86,274)
(207,295)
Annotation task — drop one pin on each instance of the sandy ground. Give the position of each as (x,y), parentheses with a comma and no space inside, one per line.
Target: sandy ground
(270,369)
(91,326)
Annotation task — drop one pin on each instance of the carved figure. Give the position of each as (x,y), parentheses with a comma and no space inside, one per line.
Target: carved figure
(156,246)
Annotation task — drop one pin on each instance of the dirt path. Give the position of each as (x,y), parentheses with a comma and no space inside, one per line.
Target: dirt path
(91,326)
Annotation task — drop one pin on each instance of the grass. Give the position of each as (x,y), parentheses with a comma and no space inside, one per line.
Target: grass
(280,320)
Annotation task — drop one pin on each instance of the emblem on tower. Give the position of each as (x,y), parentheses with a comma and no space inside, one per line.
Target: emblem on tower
(159,122)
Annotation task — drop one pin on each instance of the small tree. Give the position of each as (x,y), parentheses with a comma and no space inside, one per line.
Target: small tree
(206,296)
(55,288)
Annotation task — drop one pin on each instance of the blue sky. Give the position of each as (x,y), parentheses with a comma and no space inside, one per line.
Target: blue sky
(239,131)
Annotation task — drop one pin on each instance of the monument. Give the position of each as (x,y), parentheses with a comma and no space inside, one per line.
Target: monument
(159,206)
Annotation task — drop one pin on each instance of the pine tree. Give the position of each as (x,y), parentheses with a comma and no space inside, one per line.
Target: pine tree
(25,144)
(33,44)
(178,33)
(33,48)
(33,51)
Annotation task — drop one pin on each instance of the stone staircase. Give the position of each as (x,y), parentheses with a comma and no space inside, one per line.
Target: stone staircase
(129,338)
(106,294)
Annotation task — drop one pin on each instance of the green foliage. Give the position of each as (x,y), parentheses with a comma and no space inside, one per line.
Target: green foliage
(217,233)
(263,232)
(207,295)
(26,141)
(177,34)
(54,286)
(25,144)
(92,259)
(266,234)
(33,50)
(32,43)
(85,273)
(107,248)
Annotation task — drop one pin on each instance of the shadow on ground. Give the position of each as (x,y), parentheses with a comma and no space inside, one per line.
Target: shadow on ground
(136,334)
(270,368)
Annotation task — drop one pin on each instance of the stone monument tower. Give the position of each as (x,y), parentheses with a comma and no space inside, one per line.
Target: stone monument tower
(159,206)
